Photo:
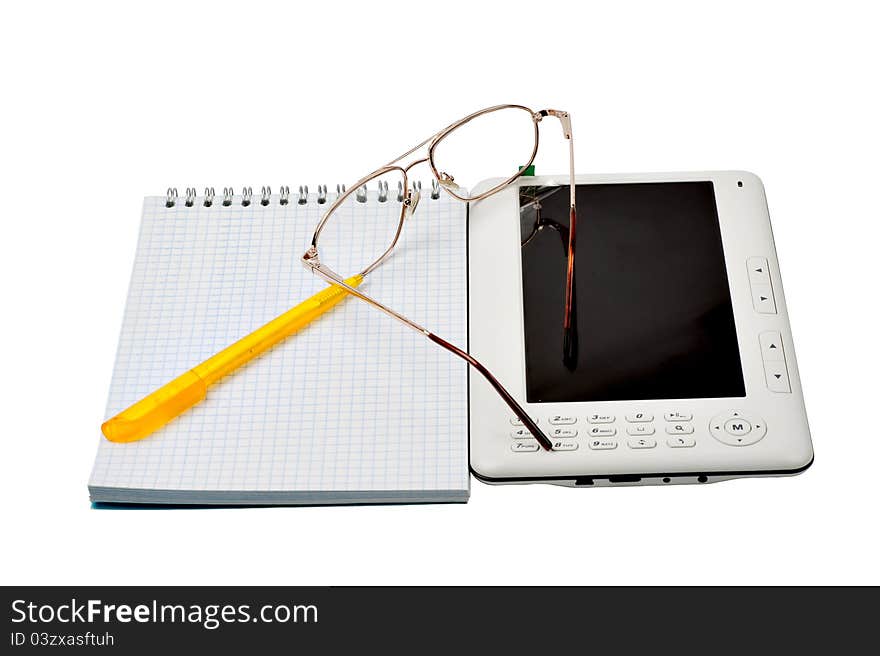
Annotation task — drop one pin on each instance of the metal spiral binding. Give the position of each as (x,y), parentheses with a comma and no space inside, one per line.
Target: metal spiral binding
(416,186)
(247,194)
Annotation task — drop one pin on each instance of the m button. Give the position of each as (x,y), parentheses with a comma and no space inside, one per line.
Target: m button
(734,428)
(738,427)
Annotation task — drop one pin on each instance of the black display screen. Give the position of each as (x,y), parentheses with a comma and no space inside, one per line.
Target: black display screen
(652,312)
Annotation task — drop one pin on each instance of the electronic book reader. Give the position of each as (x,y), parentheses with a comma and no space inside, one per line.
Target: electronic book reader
(682,369)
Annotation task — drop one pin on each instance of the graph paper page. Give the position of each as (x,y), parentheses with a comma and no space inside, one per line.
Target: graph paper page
(354,402)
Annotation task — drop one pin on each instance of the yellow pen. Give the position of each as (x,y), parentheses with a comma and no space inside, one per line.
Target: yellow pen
(157,409)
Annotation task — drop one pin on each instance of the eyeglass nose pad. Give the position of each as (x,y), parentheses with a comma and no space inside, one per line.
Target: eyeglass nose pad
(413,201)
(447,181)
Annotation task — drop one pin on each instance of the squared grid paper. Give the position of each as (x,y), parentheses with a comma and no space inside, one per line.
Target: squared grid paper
(355,406)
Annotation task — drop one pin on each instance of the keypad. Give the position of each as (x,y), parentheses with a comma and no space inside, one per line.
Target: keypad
(599,431)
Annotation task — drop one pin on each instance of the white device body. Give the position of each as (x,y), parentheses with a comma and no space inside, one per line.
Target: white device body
(779,441)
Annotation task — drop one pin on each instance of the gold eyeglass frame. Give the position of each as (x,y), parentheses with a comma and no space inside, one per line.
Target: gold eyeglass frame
(312,261)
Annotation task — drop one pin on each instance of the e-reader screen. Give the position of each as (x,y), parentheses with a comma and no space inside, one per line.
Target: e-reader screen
(652,315)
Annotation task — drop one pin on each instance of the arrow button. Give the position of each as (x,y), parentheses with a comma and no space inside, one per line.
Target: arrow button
(771,346)
(762,298)
(758,271)
(777,377)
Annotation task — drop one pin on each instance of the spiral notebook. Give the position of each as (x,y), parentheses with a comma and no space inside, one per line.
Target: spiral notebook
(355,408)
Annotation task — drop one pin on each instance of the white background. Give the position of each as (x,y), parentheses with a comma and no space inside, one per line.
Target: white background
(105,103)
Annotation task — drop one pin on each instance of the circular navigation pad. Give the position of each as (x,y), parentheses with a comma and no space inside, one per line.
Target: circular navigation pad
(735,428)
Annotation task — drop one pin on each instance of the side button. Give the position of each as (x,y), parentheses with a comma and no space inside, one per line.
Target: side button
(771,346)
(758,271)
(762,298)
(777,377)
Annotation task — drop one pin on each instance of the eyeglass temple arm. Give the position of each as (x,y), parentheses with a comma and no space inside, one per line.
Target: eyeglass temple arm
(527,421)
(568,321)
(335,279)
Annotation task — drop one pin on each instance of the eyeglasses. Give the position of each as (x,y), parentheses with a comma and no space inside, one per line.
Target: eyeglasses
(503,133)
